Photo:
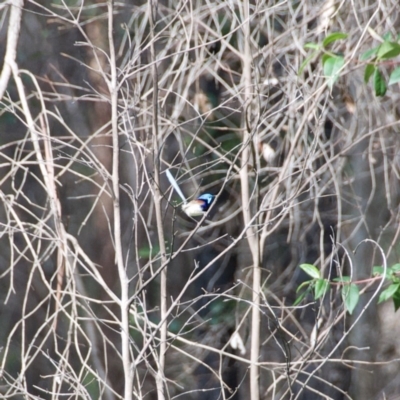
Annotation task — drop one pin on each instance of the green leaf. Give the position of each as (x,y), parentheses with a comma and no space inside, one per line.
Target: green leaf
(396,300)
(147,252)
(377,270)
(369,53)
(325,57)
(332,66)
(379,83)
(311,270)
(306,61)
(301,297)
(395,268)
(320,288)
(350,295)
(306,283)
(388,50)
(342,279)
(387,36)
(391,272)
(313,46)
(333,38)
(394,76)
(389,292)
(369,70)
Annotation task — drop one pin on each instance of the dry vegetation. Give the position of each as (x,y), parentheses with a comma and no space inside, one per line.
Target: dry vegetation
(108,290)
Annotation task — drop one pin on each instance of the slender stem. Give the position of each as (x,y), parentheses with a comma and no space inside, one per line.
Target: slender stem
(124,281)
(252,235)
(157,204)
(14,25)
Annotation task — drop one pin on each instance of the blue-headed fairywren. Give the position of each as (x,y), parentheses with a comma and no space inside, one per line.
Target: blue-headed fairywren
(193,208)
(199,206)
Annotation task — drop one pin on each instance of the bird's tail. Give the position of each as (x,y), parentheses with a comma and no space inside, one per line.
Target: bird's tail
(175,185)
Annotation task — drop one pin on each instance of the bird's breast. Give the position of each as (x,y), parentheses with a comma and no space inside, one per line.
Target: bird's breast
(194,208)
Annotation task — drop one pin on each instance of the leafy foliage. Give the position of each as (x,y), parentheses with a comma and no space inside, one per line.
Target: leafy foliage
(393,290)
(332,63)
(350,290)
(375,57)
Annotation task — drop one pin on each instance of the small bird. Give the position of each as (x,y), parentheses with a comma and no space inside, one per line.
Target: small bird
(199,206)
(194,208)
